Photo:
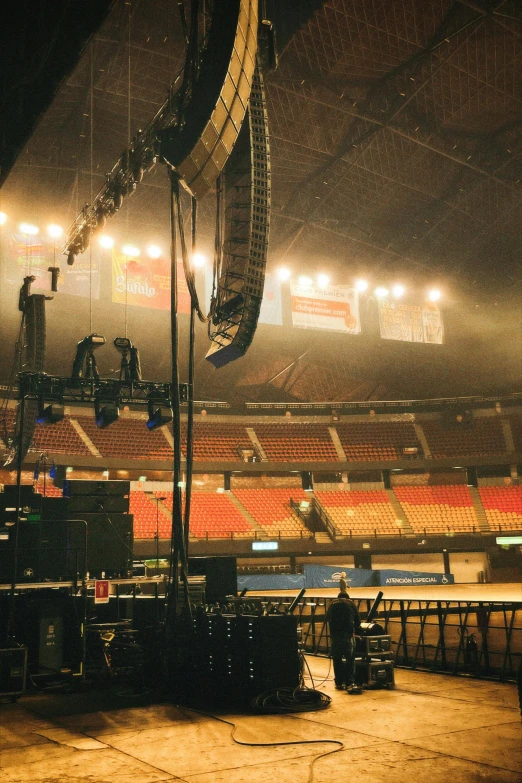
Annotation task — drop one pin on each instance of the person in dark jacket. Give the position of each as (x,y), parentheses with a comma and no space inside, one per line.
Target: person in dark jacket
(343,619)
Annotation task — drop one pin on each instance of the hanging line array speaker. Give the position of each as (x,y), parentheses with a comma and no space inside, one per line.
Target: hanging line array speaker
(247,221)
(34,360)
(199,146)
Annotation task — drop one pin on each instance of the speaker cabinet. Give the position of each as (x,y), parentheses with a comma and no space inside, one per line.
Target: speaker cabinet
(109,543)
(220,574)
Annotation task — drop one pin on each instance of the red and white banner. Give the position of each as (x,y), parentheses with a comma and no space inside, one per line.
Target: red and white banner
(334,307)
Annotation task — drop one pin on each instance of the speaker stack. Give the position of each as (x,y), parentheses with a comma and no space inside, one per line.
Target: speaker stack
(100,527)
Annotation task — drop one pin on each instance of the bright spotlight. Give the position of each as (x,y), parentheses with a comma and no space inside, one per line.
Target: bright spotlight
(30,230)
(199,260)
(106,242)
(130,250)
(153,251)
(54,231)
(398,291)
(305,281)
(3,218)
(283,274)
(361,286)
(381,292)
(323,280)
(434,295)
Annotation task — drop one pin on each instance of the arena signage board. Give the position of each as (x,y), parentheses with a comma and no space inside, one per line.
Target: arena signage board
(414,323)
(264,545)
(330,576)
(391,578)
(146,282)
(255,582)
(334,308)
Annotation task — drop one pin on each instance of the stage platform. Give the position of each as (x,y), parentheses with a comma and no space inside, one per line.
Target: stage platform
(503,593)
(432,728)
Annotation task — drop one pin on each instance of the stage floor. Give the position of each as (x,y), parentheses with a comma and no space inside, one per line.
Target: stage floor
(505,593)
(432,728)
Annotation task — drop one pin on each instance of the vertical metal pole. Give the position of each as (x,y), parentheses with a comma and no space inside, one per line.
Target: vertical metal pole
(10,631)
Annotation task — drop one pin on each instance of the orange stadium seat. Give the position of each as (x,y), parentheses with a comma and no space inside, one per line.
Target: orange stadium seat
(438,509)
(503,507)
(293,442)
(479,438)
(360,513)
(271,510)
(377,441)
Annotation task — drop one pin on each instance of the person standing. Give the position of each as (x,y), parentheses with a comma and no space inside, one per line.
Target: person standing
(343,620)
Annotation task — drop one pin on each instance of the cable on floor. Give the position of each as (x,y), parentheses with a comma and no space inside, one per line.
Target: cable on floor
(233,726)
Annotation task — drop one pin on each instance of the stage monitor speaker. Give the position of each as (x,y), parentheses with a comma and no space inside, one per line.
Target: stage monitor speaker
(74,487)
(109,543)
(29,498)
(220,574)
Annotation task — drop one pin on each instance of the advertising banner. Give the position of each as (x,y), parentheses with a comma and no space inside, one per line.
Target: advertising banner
(411,322)
(334,308)
(270,582)
(34,256)
(329,576)
(271,307)
(389,577)
(146,283)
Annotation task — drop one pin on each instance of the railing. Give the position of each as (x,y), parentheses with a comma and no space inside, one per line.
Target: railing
(473,638)
(325,519)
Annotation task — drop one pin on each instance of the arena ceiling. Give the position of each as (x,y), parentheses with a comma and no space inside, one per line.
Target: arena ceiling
(395,143)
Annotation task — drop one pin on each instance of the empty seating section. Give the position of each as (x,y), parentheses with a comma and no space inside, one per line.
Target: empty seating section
(217,441)
(379,441)
(59,438)
(213,515)
(438,509)
(503,507)
(296,442)
(479,438)
(127,438)
(50,490)
(271,510)
(360,513)
(144,509)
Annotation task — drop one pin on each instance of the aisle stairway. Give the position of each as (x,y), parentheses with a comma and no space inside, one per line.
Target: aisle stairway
(479,510)
(400,513)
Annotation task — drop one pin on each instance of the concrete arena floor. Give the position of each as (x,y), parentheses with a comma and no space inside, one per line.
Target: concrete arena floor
(432,728)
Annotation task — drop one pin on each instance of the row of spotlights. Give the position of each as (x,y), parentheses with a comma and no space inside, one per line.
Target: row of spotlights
(199,260)
(380,292)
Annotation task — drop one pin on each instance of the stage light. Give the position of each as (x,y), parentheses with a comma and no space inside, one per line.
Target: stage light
(50,414)
(434,295)
(3,218)
(54,231)
(398,291)
(305,281)
(106,413)
(28,229)
(283,274)
(323,280)
(160,413)
(106,242)
(199,260)
(130,250)
(53,470)
(361,286)
(153,251)
(381,292)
